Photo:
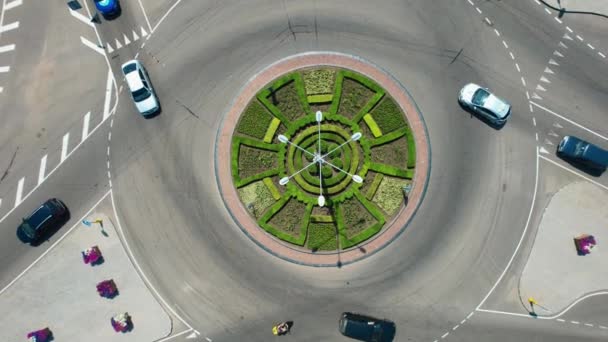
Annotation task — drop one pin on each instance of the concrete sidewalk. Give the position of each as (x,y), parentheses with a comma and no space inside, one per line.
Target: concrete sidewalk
(555,275)
(59,292)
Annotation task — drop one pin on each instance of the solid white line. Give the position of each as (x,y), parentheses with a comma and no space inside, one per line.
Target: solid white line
(569,29)
(5,68)
(521,239)
(174,336)
(568,120)
(145,15)
(106,102)
(7,48)
(134,261)
(11,26)
(92,45)
(478,10)
(591,46)
(576,173)
(455,327)
(81,17)
(497,33)
(42,170)
(531,110)
(515,314)
(12,4)
(18,198)
(505,44)
(52,246)
(85,126)
(108,151)
(64,146)
(557,19)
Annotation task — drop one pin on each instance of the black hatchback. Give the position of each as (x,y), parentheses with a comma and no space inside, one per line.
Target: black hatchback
(46,219)
(365,328)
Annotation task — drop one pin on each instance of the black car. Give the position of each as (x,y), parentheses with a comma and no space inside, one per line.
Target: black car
(51,215)
(582,152)
(365,328)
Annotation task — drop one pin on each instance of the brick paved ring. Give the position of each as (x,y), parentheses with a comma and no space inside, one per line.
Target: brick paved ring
(269,242)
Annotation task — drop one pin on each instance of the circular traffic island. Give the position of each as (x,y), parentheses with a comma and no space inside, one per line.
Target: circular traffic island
(323,159)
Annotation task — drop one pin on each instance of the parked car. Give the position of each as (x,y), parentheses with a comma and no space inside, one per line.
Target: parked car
(579,151)
(365,328)
(46,218)
(481,101)
(140,87)
(108,8)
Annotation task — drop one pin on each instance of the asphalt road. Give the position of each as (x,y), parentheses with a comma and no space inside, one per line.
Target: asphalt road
(431,280)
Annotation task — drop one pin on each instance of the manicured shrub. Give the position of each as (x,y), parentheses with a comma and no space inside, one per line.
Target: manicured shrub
(373,127)
(411,150)
(254,121)
(272,188)
(321,98)
(253,161)
(287,101)
(319,81)
(326,171)
(389,196)
(390,170)
(374,186)
(256,197)
(321,218)
(388,115)
(356,216)
(272,128)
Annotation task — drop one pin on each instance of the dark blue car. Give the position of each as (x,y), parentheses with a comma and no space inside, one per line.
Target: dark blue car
(108,8)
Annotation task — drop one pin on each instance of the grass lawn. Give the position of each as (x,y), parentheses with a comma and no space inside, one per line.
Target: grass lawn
(287,100)
(289,218)
(354,96)
(388,115)
(254,121)
(256,197)
(393,153)
(356,217)
(254,160)
(322,236)
(390,194)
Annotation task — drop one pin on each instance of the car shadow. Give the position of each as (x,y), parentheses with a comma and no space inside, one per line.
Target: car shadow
(483,119)
(155,114)
(595,172)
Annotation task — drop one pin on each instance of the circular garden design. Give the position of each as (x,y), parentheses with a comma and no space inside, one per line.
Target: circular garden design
(322,158)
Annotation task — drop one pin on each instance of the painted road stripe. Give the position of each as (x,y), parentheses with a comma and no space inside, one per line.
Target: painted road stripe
(9,27)
(19,191)
(7,48)
(557,19)
(106,102)
(579,38)
(12,4)
(41,172)
(1,89)
(547,10)
(81,17)
(5,68)
(505,44)
(497,33)
(478,10)
(601,54)
(591,46)
(85,126)
(568,120)
(569,29)
(92,45)
(64,146)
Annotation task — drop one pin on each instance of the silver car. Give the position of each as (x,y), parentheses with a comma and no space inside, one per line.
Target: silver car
(482,102)
(140,88)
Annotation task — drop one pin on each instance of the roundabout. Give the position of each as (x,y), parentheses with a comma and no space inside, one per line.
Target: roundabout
(323,159)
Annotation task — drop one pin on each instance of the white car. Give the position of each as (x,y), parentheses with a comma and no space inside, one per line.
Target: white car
(140,87)
(483,102)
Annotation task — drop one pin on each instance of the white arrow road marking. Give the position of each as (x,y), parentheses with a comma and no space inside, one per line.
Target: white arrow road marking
(110,50)
(543,150)
(135,36)
(557,53)
(556,125)
(544,79)
(548,142)
(549,71)
(552,61)
(539,87)
(553,134)
(127,41)
(563,45)
(535,96)
(118,45)
(143,32)
(567,36)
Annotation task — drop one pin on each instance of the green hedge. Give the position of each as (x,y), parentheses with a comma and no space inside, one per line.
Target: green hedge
(234,160)
(301,238)
(272,128)
(298,83)
(375,184)
(298,163)
(369,120)
(320,98)
(272,188)
(321,218)
(386,138)
(411,150)
(254,121)
(388,115)
(391,170)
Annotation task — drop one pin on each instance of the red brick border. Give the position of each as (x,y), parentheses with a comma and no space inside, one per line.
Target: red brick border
(269,242)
